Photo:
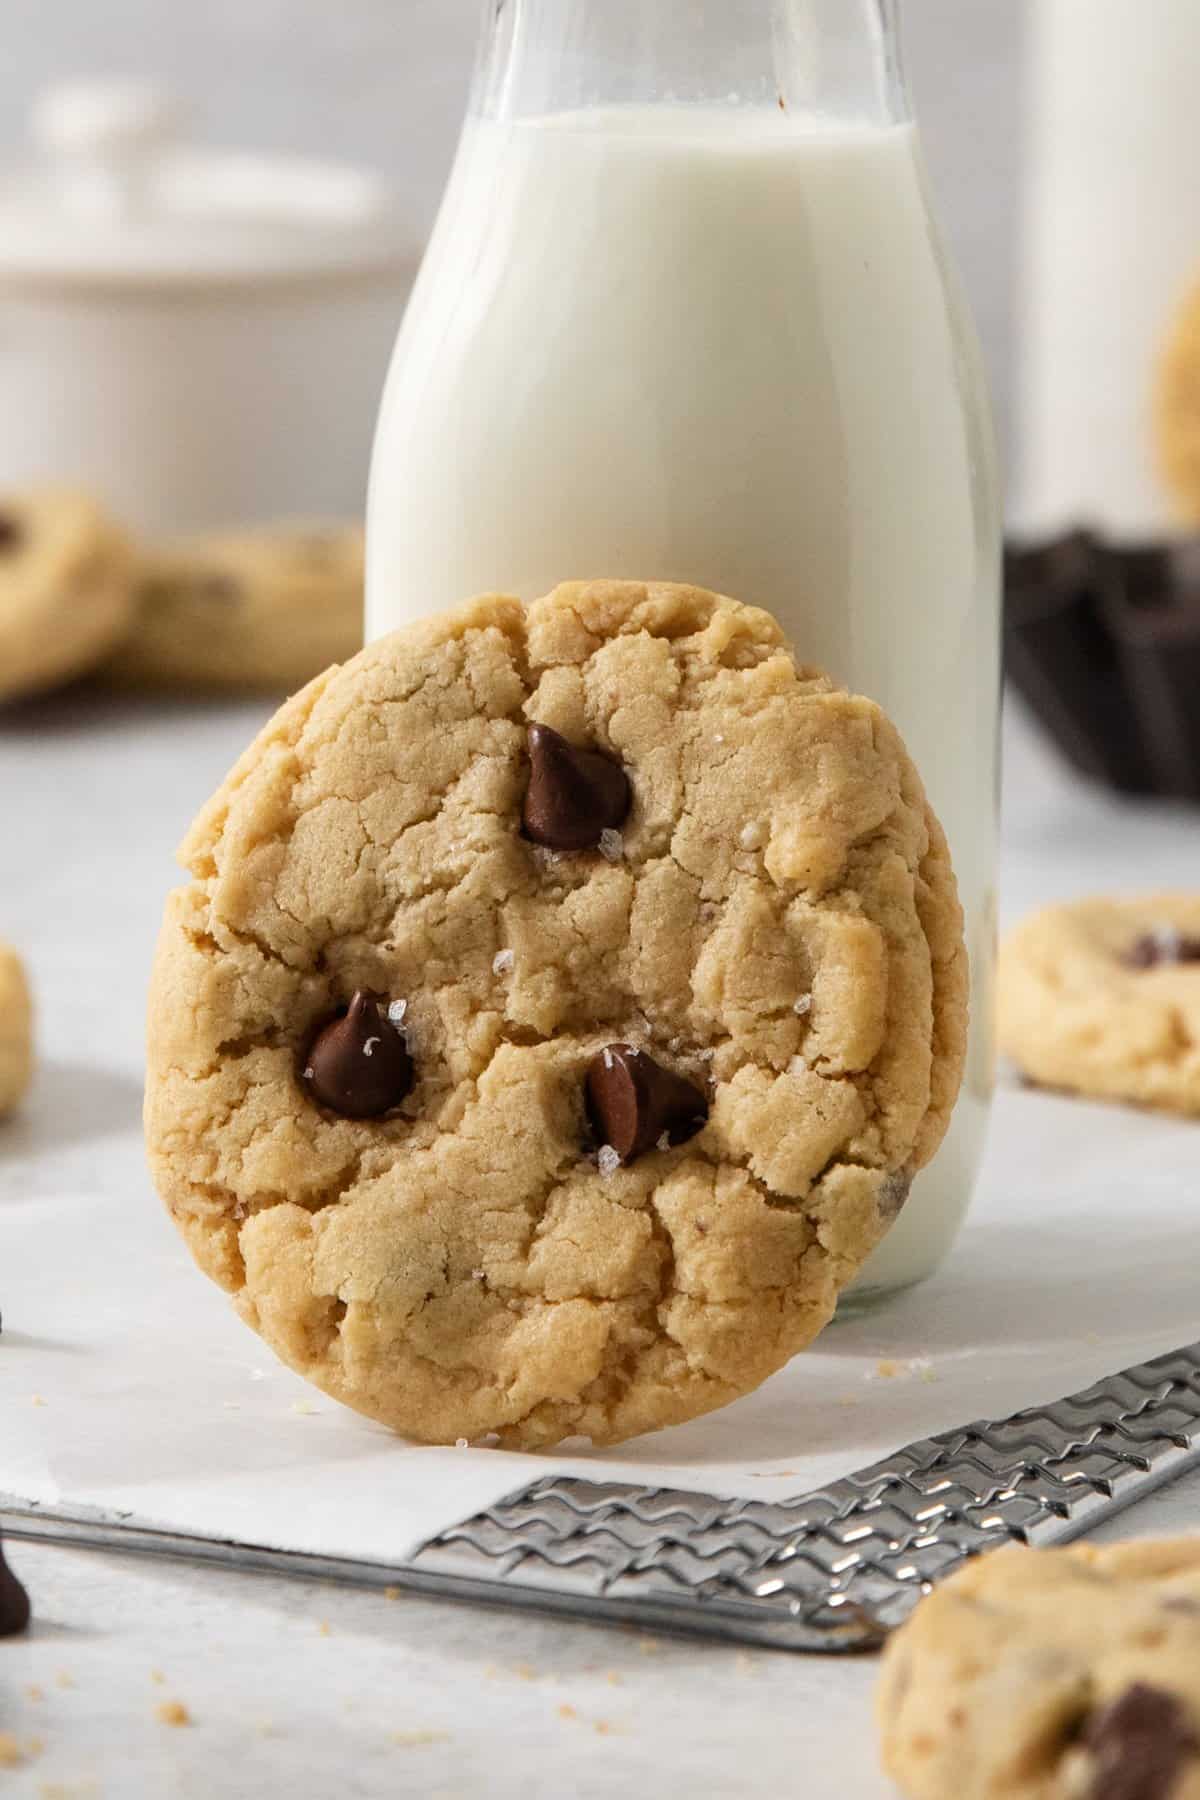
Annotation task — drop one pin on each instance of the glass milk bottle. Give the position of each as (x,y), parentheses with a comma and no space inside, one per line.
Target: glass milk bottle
(687,316)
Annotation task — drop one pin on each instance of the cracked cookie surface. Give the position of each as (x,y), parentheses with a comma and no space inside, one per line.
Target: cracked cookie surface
(16,1031)
(1102,997)
(776,922)
(66,589)
(1051,1675)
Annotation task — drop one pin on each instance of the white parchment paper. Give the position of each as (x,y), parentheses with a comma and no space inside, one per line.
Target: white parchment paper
(127,1383)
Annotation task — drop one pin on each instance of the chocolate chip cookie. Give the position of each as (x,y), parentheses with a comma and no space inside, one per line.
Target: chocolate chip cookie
(1051,1675)
(16,1031)
(66,592)
(1102,997)
(560,1006)
(262,610)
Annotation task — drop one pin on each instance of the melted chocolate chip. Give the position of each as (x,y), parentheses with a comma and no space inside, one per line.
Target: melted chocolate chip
(1163,948)
(12,534)
(633,1102)
(14,1601)
(1139,1745)
(358,1064)
(574,796)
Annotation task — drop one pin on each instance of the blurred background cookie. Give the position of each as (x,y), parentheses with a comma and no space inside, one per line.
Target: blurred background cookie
(66,593)
(265,609)
(1102,997)
(1179,410)
(16,1031)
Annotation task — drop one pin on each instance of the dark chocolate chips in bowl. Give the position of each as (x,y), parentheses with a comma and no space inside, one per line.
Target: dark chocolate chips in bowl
(1138,1745)
(14,1601)
(358,1064)
(635,1105)
(574,796)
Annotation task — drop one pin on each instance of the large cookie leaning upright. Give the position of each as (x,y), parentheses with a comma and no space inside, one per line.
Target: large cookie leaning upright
(776,923)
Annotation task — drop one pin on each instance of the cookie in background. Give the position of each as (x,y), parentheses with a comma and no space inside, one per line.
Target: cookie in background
(1102,997)
(66,589)
(264,609)
(16,1031)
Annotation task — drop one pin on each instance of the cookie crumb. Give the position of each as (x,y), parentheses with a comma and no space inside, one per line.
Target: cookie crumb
(64,1679)
(888,1370)
(567,1712)
(391,1593)
(525,1672)
(608,1161)
(11,1754)
(34,1692)
(173,1713)
(323,1629)
(305,1411)
(648,1646)
(36,1400)
(614,1678)
(612,846)
(157,1676)
(803,1006)
(503,962)
(413,1740)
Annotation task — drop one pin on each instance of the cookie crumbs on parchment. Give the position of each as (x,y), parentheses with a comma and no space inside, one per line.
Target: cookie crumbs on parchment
(157,1676)
(414,1740)
(614,1678)
(608,1161)
(887,1370)
(648,1646)
(64,1679)
(34,1692)
(323,1629)
(602,1728)
(567,1712)
(11,1753)
(612,846)
(745,1664)
(503,962)
(525,1672)
(305,1410)
(36,1400)
(391,1593)
(173,1713)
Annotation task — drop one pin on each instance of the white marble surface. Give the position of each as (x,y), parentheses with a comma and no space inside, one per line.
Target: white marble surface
(307,1689)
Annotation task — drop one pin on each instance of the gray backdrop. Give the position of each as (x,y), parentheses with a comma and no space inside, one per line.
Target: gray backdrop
(385,79)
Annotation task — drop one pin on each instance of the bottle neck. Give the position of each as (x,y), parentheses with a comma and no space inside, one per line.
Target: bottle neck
(831,58)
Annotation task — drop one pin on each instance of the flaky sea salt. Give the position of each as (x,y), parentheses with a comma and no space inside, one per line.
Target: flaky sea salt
(608,1059)
(664,1142)
(612,846)
(803,1006)
(705,1055)
(461,1444)
(752,836)
(503,962)
(397,1010)
(608,1161)
(797,1066)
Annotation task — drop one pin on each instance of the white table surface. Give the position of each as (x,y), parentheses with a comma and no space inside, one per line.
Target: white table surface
(307,1689)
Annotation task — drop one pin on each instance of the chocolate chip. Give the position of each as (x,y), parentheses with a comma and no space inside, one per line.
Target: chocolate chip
(358,1064)
(1139,1745)
(14,1601)
(1163,948)
(12,533)
(633,1102)
(574,796)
